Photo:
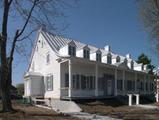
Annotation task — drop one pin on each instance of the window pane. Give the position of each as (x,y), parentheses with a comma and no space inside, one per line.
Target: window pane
(48,58)
(74,81)
(77,81)
(49,80)
(83,82)
(66,80)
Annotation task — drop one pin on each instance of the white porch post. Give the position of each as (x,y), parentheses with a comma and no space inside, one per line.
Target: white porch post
(135,82)
(123,80)
(156,97)
(70,78)
(115,86)
(96,80)
(137,99)
(130,99)
(144,83)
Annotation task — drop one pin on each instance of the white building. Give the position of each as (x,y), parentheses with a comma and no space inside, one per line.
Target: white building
(63,68)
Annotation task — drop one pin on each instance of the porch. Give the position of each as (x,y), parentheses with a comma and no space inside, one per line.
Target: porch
(85,79)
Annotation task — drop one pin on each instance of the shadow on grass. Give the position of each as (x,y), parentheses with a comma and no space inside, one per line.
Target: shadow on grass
(113,102)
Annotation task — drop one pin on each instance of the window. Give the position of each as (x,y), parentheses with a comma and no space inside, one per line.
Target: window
(49,82)
(132,65)
(72,51)
(42,44)
(101,83)
(48,58)
(83,82)
(130,85)
(74,81)
(119,84)
(77,81)
(66,80)
(86,54)
(118,59)
(109,59)
(146,86)
(98,57)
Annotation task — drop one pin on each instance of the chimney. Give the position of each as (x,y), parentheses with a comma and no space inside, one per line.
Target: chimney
(128,56)
(107,48)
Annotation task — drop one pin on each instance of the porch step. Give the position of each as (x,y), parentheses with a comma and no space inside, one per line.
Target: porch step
(65,106)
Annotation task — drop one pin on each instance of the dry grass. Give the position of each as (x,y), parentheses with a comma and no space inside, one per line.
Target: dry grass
(27,112)
(118,111)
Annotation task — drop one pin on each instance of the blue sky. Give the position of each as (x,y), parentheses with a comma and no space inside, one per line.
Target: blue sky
(104,22)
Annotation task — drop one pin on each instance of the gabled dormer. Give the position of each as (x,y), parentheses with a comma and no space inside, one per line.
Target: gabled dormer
(107,58)
(138,67)
(116,59)
(68,49)
(96,55)
(130,64)
(83,52)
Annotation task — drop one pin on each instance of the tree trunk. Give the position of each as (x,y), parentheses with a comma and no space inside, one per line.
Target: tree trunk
(5,81)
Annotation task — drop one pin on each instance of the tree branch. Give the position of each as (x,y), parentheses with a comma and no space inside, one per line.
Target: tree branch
(5,20)
(13,47)
(27,20)
(9,3)
(19,40)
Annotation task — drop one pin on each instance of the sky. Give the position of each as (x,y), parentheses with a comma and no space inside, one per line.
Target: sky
(100,23)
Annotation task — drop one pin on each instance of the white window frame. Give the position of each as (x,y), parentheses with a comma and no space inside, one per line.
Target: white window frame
(86,54)
(49,82)
(48,58)
(72,50)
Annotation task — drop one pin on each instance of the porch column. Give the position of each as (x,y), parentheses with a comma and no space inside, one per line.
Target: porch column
(123,80)
(135,82)
(70,78)
(137,99)
(96,80)
(115,83)
(156,97)
(144,83)
(130,99)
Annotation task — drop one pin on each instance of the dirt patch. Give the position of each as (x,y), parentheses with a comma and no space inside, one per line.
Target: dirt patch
(28,112)
(102,107)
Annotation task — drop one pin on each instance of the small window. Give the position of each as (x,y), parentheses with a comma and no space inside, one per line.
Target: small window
(86,54)
(118,59)
(132,65)
(42,44)
(72,51)
(109,59)
(83,82)
(66,80)
(119,84)
(48,58)
(49,82)
(98,57)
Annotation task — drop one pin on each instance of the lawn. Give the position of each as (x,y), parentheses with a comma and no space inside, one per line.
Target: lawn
(28,112)
(113,109)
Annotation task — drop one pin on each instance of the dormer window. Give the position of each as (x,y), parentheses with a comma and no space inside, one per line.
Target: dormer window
(98,57)
(132,65)
(125,61)
(109,59)
(72,51)
(118,59)
(86,54)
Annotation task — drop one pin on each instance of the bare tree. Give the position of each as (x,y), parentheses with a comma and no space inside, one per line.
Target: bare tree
(22,18)
(149,13)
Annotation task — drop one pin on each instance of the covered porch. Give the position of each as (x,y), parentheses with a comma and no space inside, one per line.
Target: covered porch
(85,79)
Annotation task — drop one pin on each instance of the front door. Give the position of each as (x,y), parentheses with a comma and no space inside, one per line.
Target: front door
(109,89)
